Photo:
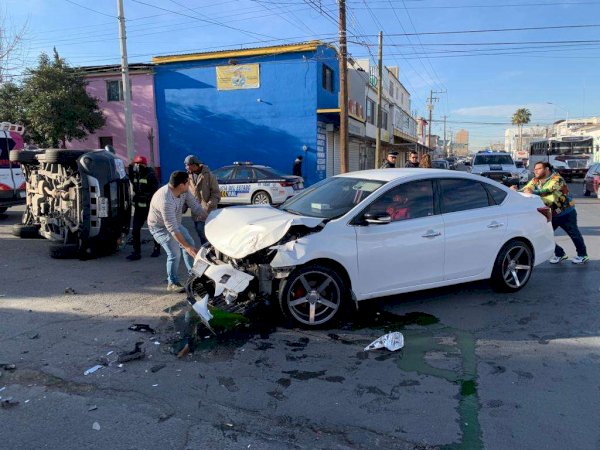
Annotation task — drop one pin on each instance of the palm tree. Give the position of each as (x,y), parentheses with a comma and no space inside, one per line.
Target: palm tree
(521,117)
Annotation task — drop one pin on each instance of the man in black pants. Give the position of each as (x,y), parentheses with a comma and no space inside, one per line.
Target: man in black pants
(144,183)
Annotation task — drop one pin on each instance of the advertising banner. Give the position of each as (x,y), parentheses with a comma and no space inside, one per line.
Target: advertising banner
(244,76)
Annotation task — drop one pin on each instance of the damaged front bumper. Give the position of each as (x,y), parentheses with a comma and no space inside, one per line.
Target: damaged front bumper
(228,283)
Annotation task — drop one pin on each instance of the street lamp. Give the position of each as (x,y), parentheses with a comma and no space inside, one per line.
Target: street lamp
(564,109)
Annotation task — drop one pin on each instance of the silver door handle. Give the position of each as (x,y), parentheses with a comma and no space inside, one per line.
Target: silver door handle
(431,234)
(495,225)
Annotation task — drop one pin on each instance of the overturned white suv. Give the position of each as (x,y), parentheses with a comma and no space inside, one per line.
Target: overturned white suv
(369,234)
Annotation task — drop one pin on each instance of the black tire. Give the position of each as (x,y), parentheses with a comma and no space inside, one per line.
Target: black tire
(61,156)
(302,293)
(513,267)
(23,156)
(261,198)
(60,251)
(26,231)
(3,209)
(586,193)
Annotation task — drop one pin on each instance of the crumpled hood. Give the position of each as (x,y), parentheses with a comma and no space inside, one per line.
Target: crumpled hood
(239,231)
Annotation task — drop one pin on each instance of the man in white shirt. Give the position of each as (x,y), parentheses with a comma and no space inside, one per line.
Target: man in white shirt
(164,223)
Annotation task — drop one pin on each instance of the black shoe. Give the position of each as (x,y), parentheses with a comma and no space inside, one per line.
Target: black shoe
(155,253)
(134,257)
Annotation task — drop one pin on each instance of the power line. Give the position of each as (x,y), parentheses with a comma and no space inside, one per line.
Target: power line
(90,9)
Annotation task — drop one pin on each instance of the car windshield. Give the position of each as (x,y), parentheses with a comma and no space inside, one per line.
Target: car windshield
(332,197)
(493,159)
(520,164)
(439,164)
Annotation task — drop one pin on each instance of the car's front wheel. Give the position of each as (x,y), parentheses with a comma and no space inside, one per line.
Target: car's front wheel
(312,295)
(261,198)
(513,266)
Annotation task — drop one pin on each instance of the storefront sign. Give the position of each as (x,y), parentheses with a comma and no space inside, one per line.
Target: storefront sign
(244,76)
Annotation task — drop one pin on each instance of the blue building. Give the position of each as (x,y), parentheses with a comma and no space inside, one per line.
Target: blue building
(266,105)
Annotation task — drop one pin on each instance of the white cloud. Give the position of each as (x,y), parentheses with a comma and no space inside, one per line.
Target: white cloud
(538,111)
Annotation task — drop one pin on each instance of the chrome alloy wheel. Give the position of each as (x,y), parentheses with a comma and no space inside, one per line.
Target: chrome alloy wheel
(314,297)
(517,266)
(261,198)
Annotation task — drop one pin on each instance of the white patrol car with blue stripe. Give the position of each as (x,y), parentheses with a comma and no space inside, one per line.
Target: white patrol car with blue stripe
(245,183)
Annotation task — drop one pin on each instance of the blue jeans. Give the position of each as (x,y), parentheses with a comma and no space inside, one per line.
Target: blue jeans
(174,251)
(568,222)
(200,230)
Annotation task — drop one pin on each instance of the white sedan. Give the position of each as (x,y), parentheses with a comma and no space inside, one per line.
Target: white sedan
(368,234)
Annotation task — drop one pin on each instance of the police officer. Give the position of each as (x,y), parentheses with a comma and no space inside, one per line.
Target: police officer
(144,183)
(390,160)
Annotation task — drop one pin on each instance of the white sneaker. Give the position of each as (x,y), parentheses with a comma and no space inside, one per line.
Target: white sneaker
(557,259)
(580,259)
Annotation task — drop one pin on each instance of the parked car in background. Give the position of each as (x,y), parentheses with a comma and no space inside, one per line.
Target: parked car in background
(524,174)
(12,180)
(369,234)
(247,183)
(80,199)
(591,182)
(440,164)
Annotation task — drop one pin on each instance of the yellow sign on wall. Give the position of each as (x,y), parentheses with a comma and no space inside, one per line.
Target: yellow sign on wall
(244,76)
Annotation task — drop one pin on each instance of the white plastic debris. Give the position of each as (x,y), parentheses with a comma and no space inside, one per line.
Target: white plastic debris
(392,341)
(92,369)
(96,426)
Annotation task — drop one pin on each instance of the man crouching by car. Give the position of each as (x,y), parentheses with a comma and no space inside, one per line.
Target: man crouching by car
(164,223)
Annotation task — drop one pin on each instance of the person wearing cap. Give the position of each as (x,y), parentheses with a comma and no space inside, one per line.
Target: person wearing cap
(390,160)
(144,184)
(413,160)
(205,187)
(297,167)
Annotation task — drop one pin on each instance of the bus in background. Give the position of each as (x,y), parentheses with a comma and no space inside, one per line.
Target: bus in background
(571,156)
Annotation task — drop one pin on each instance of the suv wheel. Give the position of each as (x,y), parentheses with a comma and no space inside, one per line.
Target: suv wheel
(26,231)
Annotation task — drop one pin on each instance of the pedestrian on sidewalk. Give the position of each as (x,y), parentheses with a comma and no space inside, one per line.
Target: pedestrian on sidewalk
(554,192)
(144,184)
(390,160)
(205,187)
(413,160)
(164,222)
(297,167)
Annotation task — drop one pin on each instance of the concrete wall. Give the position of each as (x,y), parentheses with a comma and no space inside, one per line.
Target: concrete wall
(144,116)
(266,125)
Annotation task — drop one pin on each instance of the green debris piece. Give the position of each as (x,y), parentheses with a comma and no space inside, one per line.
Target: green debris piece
(225,321)
(468,387)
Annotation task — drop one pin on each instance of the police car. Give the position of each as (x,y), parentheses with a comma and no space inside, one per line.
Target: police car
(498,166)
(248,183)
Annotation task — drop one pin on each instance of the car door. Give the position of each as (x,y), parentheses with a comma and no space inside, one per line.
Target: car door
(406,252)
(240,189)
(474,227)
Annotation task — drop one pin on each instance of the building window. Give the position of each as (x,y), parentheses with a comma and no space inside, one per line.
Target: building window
(384,122)
(105,140)
(391,90)
(327,78)
(114,90)
(370,111)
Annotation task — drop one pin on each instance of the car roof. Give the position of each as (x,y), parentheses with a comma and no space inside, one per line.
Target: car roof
(407,173)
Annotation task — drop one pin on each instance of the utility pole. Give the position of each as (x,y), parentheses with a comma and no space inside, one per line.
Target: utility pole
(445,143)
(378,157)
(343,67)
(430,101)
(126,83)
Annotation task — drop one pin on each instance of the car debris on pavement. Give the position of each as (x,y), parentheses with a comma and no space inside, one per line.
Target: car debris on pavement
(136,353)
(392,341)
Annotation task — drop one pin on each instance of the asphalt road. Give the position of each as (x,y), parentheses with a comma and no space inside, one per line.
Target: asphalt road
(479,369)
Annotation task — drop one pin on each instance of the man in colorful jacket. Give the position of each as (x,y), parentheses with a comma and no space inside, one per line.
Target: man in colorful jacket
(554,192)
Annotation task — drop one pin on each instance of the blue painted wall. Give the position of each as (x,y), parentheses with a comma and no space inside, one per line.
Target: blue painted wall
(268,125)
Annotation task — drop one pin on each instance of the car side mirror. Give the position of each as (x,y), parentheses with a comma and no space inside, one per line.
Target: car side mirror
(377,219)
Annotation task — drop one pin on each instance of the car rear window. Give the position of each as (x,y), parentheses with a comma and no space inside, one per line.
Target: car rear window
(497,194)
(462,195)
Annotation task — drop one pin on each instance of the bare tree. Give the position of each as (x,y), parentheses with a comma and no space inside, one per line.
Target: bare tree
(11,49)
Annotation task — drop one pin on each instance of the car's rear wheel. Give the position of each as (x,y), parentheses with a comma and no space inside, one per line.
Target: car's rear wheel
(60,156)
(23,156)
(312,295)
(61,251)
(261,198)
(26,231)
(513,266)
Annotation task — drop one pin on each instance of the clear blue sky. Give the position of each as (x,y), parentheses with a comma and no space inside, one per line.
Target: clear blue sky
(487,76)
